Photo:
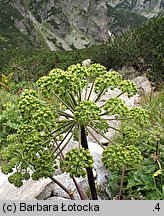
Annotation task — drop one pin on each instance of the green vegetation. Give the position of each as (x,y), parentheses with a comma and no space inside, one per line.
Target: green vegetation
(9,116)
(146,181)
(141,47)
(124,18)
(32,64)
(10,36)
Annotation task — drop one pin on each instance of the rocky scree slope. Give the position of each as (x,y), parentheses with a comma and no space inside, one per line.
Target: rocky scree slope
(69,24)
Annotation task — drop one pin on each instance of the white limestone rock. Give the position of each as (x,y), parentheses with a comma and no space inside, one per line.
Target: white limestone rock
(143,84)
(29,191)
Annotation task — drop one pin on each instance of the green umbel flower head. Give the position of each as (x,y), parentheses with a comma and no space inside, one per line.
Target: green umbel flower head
(115,106)
(95,70)
(76,161)
(116,157)
(86,112)
(110,80)
(129,87)
(130,135)
(140,116)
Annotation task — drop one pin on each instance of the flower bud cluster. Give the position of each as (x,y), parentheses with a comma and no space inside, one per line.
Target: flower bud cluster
(86,112)
(45,86)
(28,103)
(115,106)
(130,134)
(139,115)
(62,82)
(95,70)
(116,157)
(17,178)
(78,71)
(129,87)
(44,119)
(109,80)
(39,114)
(44,165)
(30,150)
(76,161)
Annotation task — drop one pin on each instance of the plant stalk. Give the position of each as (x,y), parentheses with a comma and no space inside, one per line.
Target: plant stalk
(121,184)
(99,96)
(64,102)
(79,189)
(90,91)
(120,94)
(101,134)
(89,170)
(95,138)
(63,187)
(73,100)
(62,147)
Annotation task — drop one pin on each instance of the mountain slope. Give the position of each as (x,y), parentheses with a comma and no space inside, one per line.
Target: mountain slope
(69,24)
(147,8)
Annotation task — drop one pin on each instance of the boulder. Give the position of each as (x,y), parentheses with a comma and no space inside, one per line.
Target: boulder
(129,72)
(144,85)
(86,62)
(47,191)
(101,173)
(57,198)
(29,191)
(68,183)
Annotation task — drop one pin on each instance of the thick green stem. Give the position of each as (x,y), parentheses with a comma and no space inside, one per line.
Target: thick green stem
(79,95)
(102,114)
(63,146)
(89,170)
(86,91)
(59,128)
(116,119)
(70,102)
(116,129)
(62,113)
(64,120)
(73,100)
(120,94)
(65,129)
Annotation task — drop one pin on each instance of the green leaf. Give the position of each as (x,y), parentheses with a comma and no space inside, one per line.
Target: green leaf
(154,195)
(149,169)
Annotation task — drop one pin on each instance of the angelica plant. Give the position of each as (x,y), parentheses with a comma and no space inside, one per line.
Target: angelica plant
(65,105)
